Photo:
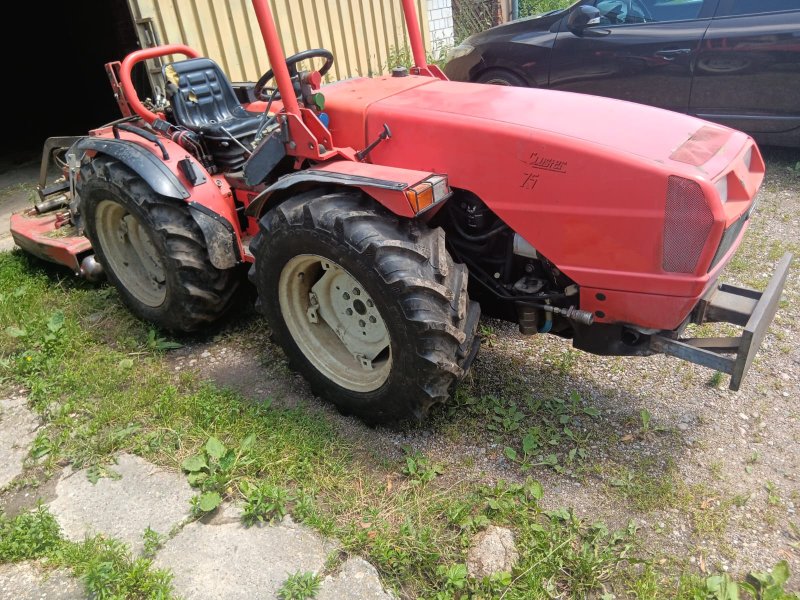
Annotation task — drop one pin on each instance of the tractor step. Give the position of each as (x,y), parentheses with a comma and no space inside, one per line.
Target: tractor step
(725,303)
(50,237)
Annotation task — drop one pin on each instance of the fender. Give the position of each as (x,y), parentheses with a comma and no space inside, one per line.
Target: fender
(386,185)
(209,199)
(140,160)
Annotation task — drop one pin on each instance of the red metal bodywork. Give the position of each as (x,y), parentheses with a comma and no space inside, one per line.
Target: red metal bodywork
(588,191)
(583,180)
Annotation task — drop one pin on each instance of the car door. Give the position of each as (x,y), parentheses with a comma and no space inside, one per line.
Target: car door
(748,69)
(642,51)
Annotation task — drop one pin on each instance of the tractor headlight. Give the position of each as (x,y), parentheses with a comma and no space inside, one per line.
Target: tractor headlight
(748,158)
(722,188)
(459,51)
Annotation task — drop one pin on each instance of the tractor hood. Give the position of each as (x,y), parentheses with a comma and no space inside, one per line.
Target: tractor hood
(590,182)
(611,126)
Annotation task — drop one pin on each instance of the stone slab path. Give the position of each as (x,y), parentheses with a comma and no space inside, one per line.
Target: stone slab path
(26,582)
(215,558)
(17,431)
(225,555)
(143,496)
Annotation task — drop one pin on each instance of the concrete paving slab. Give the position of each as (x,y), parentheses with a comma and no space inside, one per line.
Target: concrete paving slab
(224,559)
(355,580)
(16,187)
(144,496)
(17,431)
(25,581)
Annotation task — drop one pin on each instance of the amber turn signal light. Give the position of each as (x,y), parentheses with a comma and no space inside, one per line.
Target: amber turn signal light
(427,193)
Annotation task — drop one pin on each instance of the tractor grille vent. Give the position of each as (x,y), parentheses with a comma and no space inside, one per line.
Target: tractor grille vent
(687,223)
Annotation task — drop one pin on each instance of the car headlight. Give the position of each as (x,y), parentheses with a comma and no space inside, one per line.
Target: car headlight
(459,51)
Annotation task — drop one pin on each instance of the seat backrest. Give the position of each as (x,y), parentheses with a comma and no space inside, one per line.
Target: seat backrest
(200,93)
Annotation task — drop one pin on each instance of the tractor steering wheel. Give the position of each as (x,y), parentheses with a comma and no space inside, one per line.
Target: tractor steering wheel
(291,62)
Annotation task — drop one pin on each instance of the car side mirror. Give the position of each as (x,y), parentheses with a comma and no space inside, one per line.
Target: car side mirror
(582,17)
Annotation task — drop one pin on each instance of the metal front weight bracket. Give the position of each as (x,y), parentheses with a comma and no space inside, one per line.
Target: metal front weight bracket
(750,309)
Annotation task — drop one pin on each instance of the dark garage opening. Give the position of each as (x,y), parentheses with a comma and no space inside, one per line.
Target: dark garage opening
(67,93)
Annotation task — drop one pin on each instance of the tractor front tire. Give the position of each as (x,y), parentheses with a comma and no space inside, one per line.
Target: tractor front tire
(151,249)
(369,308)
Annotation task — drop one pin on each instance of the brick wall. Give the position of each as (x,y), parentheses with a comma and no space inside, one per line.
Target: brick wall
(440,22)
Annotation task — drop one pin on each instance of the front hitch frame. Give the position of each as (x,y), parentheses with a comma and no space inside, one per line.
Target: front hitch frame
(724,303)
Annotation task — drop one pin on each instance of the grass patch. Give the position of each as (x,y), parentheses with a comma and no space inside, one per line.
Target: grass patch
(106,567)
(99,380)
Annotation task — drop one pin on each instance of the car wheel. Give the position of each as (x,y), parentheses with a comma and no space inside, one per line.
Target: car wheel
(500,77)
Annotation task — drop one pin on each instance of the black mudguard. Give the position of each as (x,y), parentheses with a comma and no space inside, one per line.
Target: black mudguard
(144,163)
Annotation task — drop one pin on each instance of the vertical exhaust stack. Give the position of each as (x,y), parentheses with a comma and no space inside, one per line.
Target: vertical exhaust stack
(414,34)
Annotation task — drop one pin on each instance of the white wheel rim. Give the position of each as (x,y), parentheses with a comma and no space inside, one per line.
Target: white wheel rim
(130,253)
(335,323)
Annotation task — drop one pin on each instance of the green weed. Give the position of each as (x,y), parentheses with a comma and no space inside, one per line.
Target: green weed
(265,503)
(759,585)
(28,535)
(153,541)
(214,471)
(556,430)
(419,469)
(299,586)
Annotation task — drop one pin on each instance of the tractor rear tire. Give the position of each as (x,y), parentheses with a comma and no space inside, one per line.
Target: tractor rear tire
(151,249)
(368,307)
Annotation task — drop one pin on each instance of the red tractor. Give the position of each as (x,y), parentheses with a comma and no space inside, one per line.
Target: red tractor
(380,215)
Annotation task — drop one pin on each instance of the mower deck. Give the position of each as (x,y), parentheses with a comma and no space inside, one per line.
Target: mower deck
(49,237)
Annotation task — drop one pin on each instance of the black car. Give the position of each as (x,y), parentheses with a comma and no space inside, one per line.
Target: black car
(736,62)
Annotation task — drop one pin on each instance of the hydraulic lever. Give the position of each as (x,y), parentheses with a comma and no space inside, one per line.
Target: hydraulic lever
(385,135)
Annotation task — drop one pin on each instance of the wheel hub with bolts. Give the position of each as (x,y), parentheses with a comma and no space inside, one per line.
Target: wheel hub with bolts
(131,252)
(335,322)
(350,312)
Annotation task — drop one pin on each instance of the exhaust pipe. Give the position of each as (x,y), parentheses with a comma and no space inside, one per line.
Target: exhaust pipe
(91,270)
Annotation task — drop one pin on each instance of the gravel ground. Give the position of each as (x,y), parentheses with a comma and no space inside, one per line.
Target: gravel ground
(713,480)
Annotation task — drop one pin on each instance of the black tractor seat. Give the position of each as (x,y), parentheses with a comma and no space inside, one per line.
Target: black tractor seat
(203,100)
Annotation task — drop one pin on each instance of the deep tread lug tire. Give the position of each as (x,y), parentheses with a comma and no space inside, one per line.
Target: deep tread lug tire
(194,293)
(420,292)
